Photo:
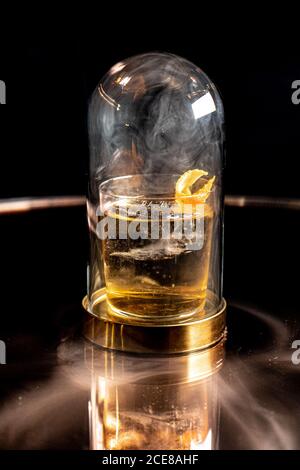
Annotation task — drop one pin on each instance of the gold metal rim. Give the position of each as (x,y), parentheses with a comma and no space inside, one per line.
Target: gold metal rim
(202,333)
(155,369)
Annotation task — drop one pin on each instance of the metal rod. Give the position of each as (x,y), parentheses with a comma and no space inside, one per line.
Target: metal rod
(12,206)
(261,201)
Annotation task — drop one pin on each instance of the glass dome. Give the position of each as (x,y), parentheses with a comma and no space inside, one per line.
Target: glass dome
(155,190)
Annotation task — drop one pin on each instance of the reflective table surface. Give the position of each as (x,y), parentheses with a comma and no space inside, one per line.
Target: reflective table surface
(58,391)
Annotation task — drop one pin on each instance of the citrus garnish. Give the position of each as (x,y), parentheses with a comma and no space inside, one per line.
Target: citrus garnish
(183,189)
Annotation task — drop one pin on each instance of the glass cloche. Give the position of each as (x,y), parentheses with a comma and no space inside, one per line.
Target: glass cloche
(155,192)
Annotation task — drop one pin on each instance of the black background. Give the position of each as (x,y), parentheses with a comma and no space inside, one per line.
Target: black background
(52,62)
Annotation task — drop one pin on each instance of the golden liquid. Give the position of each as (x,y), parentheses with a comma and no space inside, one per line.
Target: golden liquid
(156,279)
(153,416)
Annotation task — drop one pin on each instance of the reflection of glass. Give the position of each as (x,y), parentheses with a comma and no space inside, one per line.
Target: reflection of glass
(154,402)
(156,251)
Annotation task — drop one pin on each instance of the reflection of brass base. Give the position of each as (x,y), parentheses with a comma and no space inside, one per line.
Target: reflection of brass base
(196,332)
(155,369)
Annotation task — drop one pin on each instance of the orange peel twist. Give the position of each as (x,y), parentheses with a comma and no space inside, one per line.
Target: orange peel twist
(183,193)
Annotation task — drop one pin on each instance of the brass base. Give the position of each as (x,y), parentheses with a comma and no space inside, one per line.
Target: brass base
(107,331)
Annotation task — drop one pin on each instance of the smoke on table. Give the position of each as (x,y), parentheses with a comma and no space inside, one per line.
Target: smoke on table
(258,393)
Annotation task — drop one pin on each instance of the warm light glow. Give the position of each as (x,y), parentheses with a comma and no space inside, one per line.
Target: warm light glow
(110,422)
(112,443)
(101,389)
(204,445)
(117,68)
(107,98)
(125,80)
